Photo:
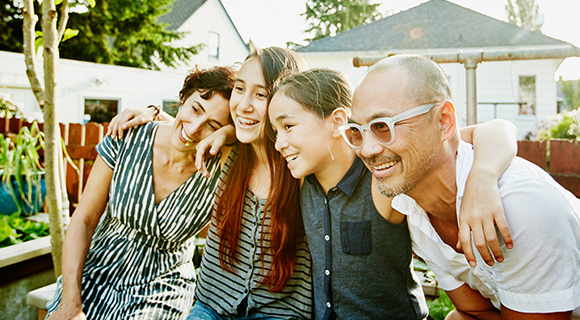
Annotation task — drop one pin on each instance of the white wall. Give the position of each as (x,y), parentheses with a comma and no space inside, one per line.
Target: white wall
(211,17)
(496,82)
(133,87)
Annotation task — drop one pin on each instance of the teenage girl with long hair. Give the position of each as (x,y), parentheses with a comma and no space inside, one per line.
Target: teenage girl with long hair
(256,261)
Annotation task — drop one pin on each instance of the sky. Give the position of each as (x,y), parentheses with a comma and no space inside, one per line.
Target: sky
(274,22)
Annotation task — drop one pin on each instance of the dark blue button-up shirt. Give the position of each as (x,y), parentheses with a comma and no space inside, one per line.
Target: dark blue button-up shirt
(361,263)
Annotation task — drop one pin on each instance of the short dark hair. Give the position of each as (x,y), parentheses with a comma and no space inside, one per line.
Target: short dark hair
(208,81)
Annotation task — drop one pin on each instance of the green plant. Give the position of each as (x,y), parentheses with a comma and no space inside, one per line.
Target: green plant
(14,230)
(440,307)
(21,168)
(563,125)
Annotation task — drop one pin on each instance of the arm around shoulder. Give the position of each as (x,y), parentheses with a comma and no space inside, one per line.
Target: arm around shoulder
(495,146)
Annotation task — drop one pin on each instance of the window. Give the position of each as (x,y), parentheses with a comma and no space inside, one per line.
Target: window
(213,45)
(528,95)
(171,107)
(100,110)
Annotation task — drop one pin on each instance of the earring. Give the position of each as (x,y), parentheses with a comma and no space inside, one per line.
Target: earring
(331,155)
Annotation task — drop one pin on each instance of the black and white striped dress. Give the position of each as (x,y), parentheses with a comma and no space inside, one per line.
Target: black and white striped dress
(231,294)
(139,264)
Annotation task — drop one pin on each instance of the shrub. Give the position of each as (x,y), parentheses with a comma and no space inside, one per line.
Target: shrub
(563,125)
(14,230)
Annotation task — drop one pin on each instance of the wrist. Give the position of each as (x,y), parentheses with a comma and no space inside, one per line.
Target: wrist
(156,111)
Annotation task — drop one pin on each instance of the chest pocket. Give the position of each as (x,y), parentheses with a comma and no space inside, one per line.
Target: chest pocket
(356,237)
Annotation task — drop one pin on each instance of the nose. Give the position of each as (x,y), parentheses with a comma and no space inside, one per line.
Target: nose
(280,143)
(246,104)
(194,129)
(370,147)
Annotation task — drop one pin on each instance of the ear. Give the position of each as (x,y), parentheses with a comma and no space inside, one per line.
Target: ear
(447,121)
(337,118)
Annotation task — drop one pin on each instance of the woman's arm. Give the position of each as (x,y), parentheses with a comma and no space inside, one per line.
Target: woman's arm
(495,145)
(134,117)
(78,239)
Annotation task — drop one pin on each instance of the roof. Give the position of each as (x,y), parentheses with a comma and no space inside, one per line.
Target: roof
(436,24)
(182,10)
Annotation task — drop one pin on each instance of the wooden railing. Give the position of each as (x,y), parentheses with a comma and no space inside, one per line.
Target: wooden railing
(561,158)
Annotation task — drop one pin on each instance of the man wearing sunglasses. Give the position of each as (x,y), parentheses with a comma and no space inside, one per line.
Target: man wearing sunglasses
(405,129)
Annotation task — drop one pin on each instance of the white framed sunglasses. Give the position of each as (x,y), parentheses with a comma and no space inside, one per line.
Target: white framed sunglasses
(381,129)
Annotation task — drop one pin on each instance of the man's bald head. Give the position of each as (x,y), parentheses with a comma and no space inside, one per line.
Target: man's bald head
(427,82)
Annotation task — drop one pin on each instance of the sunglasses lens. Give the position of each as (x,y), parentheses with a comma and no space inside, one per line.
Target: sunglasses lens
(354,136)
(381,131)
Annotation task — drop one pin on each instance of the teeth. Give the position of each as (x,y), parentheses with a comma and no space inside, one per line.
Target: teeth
(385,165)
(292,157)
(189,142)
(247,122)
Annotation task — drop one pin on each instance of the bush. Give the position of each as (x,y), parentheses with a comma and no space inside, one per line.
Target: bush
(14,230)
(563,125)
(440,307)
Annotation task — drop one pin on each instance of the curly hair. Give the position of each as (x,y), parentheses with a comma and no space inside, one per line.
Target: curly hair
(208,81)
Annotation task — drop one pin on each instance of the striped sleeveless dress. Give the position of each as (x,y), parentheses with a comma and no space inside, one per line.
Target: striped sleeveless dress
(139,265)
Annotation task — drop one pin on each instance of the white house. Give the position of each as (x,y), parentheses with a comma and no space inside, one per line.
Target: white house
(207,22)
(523,92)
(91,88)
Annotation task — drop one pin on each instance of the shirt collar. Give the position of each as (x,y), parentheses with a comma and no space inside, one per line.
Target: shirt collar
(349,181)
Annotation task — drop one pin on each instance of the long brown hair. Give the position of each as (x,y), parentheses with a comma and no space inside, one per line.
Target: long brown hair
(283,202)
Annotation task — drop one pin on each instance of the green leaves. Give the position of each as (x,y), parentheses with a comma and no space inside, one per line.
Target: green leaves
(523,13)
(329,17)
(440,307)
(68,33)
(14,230)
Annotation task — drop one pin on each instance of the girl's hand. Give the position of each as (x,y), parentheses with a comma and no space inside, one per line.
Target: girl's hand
(208,147)
(481,211)
(130,118)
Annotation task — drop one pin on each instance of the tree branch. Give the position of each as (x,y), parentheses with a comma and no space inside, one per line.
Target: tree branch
(29,24)
(63,20)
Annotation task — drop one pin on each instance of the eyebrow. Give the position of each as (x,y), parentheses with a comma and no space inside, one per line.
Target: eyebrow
(203,109)
(200,106)
(283,116)
(244,82)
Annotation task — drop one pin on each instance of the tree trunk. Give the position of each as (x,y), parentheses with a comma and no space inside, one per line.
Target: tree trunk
(28,26)
(52,131)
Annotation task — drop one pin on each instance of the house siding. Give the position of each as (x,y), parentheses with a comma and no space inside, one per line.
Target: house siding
(497,81)
(211,16)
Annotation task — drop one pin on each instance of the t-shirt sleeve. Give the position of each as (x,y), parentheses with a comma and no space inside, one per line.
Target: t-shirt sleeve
(108,149)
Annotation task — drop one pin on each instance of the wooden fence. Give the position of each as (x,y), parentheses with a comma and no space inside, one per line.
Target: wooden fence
(561,158)
(80,141)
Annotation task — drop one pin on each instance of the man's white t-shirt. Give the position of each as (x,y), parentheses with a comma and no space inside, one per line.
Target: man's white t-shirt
(541,274)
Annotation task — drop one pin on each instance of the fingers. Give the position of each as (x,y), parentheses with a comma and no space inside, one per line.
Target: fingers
(113,127)
(200,157)
(465,243)
(504,230)
(493,242)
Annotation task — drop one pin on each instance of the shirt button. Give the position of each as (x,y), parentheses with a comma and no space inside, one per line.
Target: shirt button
(326,272)
(326,237)
(325,201)
(328,304)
